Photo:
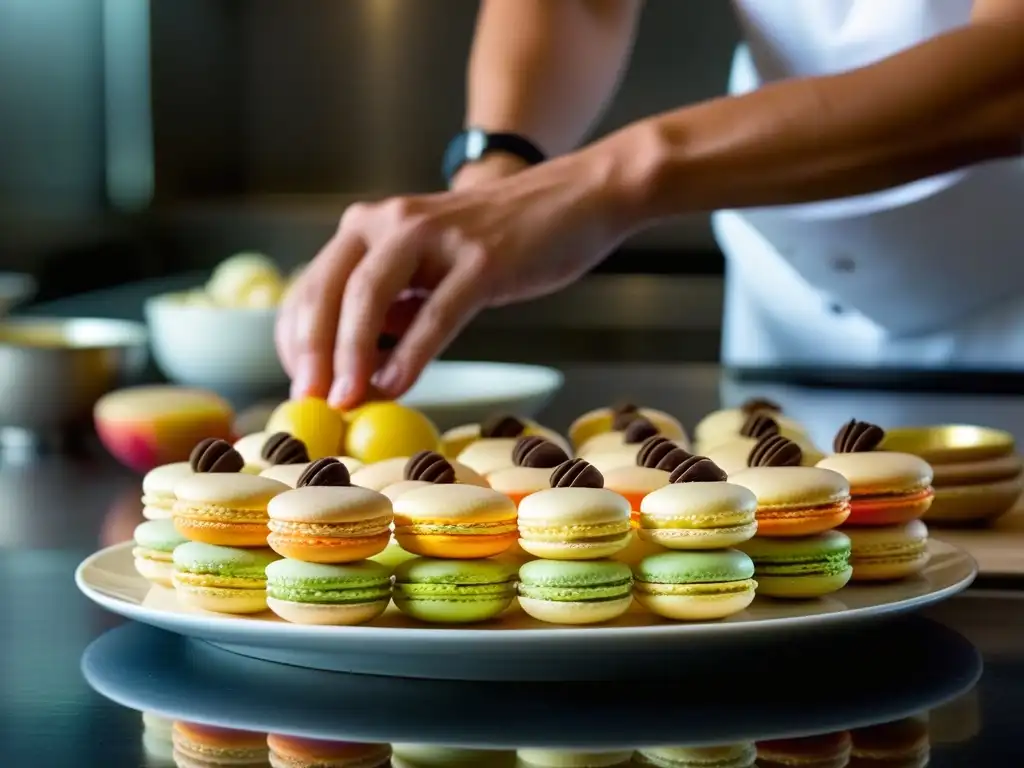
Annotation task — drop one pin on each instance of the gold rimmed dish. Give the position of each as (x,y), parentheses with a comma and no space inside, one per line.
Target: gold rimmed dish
(950,443)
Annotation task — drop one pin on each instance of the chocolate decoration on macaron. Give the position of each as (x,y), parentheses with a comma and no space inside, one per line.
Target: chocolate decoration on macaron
(858,437)
(659,452)
(502,425)
(576,473)
(760,404)
(639,429)
(429,467)
(213,455)
(325,471)
(759,424)
(282,448)
(537,453)
(775,451)
(698,469)
(623,414)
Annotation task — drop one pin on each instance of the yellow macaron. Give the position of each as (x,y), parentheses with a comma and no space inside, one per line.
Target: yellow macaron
(888,552)
(707,513)
(576,519)
(796,501)
(617,418)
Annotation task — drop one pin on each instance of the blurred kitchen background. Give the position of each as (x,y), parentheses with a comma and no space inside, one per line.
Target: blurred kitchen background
(143,140)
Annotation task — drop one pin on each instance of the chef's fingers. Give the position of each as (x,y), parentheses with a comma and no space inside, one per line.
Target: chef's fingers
(284,328)
(455,301)
(372,288)
(317,311)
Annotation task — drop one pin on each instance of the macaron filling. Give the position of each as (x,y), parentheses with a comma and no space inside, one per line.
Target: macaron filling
(356,583)
(721,588)
(355,529)
(455,529)
(615,590)
(902,552)
(204,515)
(579,534)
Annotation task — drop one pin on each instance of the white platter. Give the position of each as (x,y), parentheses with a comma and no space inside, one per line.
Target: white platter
(515,646)
(453,392)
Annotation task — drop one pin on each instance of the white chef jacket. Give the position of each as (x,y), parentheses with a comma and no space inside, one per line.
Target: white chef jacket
(930,274)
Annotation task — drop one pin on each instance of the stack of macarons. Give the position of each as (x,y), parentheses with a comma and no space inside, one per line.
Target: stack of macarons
(797,552)
(574,527)
(207,532)
(890,492)
(455,531)
(698,518)
(324,530)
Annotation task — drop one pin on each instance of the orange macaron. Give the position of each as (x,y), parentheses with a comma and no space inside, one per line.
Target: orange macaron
(326,519)
(200,746)
(793,500)
(455,521)
(298,752)
(886,487)
(219,504)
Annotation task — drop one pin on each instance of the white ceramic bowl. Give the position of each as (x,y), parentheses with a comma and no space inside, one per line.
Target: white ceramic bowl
(454,392)
(230,351)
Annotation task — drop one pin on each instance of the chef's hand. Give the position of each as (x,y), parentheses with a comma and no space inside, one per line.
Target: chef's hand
(421,267)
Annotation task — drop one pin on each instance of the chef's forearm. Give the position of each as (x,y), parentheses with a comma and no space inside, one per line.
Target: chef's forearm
(547,69)
(955,100)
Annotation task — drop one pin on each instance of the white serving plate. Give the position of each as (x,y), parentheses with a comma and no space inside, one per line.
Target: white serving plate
(453,392)
(516,646)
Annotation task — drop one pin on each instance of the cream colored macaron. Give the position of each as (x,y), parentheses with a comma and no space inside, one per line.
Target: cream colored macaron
(601,420)
(158,489)
(520,481)
(380,474)
(698,515)
(732,455)
(455,521)
(251,448)
(574,523)
(395,490)
(289,474)
(724,426)
(488,454)
(888,552)
(455,440)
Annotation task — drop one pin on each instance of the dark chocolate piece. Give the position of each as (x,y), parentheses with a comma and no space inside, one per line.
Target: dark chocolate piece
(502,425)
(858,437)
(659,452)
(536,452)
(639,429)
(576,473)
(760,404)
(759,424)
(282,448)
(325,472)
(430,467)
(697,469)
(215,455)
(775,451)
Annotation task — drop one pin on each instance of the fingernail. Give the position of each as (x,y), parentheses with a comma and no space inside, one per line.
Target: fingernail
(300,384)
(388,379)
(339,392)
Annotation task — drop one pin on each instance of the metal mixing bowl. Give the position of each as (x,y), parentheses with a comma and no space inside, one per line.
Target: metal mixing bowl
(52,371)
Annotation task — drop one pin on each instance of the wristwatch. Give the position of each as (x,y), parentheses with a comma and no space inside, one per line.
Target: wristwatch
(473,143)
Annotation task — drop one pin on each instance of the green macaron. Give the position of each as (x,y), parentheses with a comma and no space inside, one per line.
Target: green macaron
(804,567)
(575,591)
(741,755)
(695,586)
(222,579)
(317,593)
(454,591)
(158,536)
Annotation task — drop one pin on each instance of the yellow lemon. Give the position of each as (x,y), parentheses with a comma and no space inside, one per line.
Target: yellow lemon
(384,430)
(313,422)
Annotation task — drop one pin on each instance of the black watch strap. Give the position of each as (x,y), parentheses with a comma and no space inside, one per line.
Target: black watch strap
(474,143)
